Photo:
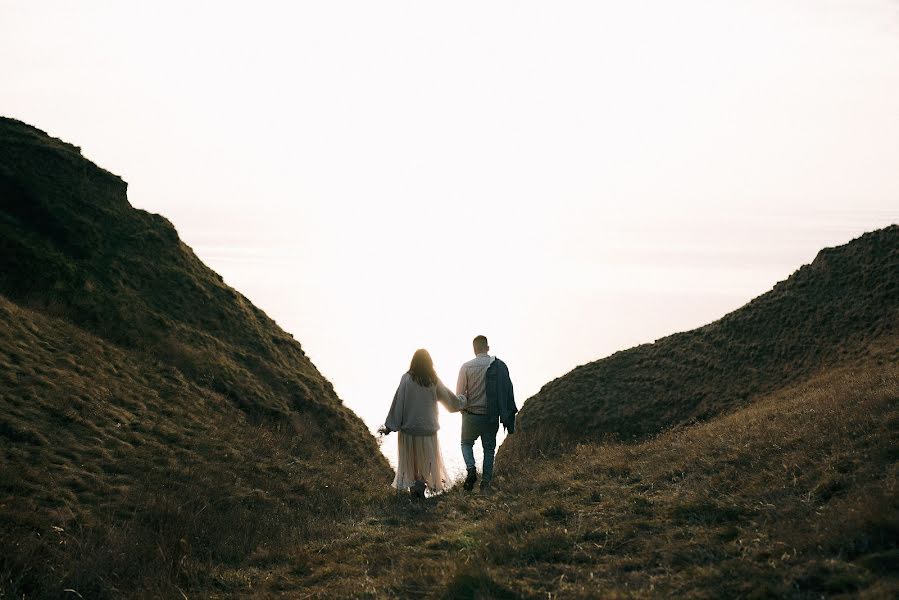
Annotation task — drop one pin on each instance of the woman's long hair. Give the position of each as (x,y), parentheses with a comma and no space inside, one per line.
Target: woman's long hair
(422,368)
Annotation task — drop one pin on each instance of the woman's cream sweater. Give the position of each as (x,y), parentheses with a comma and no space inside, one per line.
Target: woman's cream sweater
(414,408)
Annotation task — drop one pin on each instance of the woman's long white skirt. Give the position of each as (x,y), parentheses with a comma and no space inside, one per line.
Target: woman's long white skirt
(419,458)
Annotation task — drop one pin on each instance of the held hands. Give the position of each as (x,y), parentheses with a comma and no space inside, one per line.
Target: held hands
(384,430)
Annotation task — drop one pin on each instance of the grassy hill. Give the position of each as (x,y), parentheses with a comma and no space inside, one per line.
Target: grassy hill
(72,247)
(161,437)
(793,496)
(779,482)
(155,426)
(841,309)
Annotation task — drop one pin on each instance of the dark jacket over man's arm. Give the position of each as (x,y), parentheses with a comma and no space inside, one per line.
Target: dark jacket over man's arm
(500,395)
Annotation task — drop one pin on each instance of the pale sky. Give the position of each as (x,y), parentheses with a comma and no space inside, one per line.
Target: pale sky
(567,178)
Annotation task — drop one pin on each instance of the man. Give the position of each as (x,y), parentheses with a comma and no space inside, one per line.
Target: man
(485,381)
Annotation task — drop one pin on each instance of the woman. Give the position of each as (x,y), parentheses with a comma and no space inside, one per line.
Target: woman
(413,415)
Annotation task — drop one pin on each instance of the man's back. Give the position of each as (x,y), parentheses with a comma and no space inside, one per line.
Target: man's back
(472,383)
(485,381)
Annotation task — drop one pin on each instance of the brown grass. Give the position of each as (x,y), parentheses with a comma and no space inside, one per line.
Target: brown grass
(157,430)
(120,477)
(162,437)
(841,309)
(72,247)
(121,480)
(792,497)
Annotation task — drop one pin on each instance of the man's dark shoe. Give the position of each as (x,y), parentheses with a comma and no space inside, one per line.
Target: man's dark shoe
(485,487)
(470,479)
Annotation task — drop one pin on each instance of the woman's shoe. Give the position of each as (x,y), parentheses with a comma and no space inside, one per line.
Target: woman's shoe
(417,490)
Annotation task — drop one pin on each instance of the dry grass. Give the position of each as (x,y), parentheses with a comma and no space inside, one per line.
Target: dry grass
(157,430)
(162,437)
(72,247)
(123,479)
(842,308)
(792,497)
(120,477)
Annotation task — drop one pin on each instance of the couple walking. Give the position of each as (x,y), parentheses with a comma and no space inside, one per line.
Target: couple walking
(483,395)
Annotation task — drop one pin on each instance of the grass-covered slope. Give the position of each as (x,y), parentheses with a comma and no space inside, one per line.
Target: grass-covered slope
(793,496)
(844,307)
(120,477)
(72,246)
(156,429)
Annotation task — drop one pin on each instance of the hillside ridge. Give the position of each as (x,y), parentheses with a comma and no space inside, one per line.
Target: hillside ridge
(842,307)
(154,424)
(72,246)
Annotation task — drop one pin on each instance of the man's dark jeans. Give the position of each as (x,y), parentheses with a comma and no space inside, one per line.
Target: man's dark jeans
(474,427)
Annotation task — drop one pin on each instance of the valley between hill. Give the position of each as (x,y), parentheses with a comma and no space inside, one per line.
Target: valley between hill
(792,497)
(162,437)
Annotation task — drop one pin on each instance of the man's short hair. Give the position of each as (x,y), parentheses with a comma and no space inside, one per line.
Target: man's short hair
(480,342)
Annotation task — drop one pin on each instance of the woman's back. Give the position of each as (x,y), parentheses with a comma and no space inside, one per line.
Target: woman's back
(413,415)
(414,409)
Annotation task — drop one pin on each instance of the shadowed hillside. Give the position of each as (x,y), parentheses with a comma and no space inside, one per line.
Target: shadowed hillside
(72,246)
(842,308)
(153,422)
